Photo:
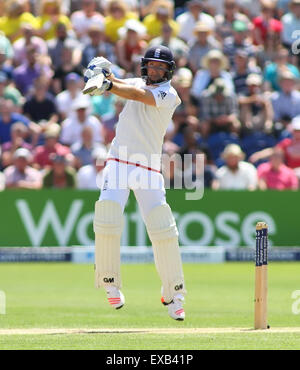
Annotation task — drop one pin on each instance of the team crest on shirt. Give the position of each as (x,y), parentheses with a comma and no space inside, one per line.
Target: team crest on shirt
(162,94)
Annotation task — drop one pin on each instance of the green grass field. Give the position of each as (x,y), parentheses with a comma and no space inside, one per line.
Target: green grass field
(62,296)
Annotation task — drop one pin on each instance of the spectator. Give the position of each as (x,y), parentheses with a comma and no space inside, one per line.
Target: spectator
(275,174)
(256,110)
(117,16)
(131,45)
(289,146)
(42,157)
(2,181)
(61,175)
(90,177)
(103,105)
(286,103)
(8,117)
(40,106)
(19,133)
(224,21)
(265,23)
(65,99)
(28,38)
(15,16)
(82,150)
(235,174)
(85,17)
(73,125)
(272,71)
(21,175)
(241,70)
(203,43)
(161,13)
(63,38)
(97,46)
(6,48)
(50,16)
(110,121)
(182,82)
(238,41)
(69,64)
(9,92)
(291,23)
(178,47)
(215,65)
(32,68)
(219,110)
(187,21)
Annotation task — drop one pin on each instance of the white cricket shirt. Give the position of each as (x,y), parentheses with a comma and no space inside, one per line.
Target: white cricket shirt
(141,128)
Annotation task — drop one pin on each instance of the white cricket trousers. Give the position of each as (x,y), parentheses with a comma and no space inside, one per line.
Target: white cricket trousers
(119,178)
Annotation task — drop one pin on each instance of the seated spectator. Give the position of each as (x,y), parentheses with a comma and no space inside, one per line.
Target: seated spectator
(182,82)
(61,175)
(272,71)
(9,92)
(6,49)
(32,68)
(291,23)
(69,64)
(161,13)
(28,38)
(21,175)
(110,121)
(265,23)
(289,146)
(235,174)
(19,133)
(63,37)
(131,45)
(73,125)
(203,43)
(241,70)
(40,106)
(224,21)
(178,47)
(90,177)
(117,15)
(8,117)
(5,63)
(219,109)
(42,153)
(65,100)
(85,17)
(286,103)
(215,65)
(82,150)
(50,16)
(256,112)
(15,15)
(187,20)
(97,46)
(238,41)
(275,174)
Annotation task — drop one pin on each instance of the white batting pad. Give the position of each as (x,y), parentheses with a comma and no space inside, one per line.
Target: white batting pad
(162,230)
(108,225)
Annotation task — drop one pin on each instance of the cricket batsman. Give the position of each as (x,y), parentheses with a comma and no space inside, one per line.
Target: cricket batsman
(135,153)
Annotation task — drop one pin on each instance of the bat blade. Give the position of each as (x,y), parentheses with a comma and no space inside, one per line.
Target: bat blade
(93,84)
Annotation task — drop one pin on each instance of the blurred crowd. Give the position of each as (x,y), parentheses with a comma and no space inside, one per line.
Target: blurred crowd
(237,76)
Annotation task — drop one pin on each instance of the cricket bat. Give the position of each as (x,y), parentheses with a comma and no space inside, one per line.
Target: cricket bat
(93,83)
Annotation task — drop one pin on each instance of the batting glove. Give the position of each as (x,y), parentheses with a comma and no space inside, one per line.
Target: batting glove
(96,66)
(106,85)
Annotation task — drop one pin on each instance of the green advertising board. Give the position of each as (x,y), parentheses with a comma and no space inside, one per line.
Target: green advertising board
(64,218)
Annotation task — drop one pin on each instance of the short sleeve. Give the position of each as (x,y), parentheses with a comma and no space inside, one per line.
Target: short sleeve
(165,98)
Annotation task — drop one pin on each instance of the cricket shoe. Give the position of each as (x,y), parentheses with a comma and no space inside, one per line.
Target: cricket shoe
(175,307)
(115,297)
